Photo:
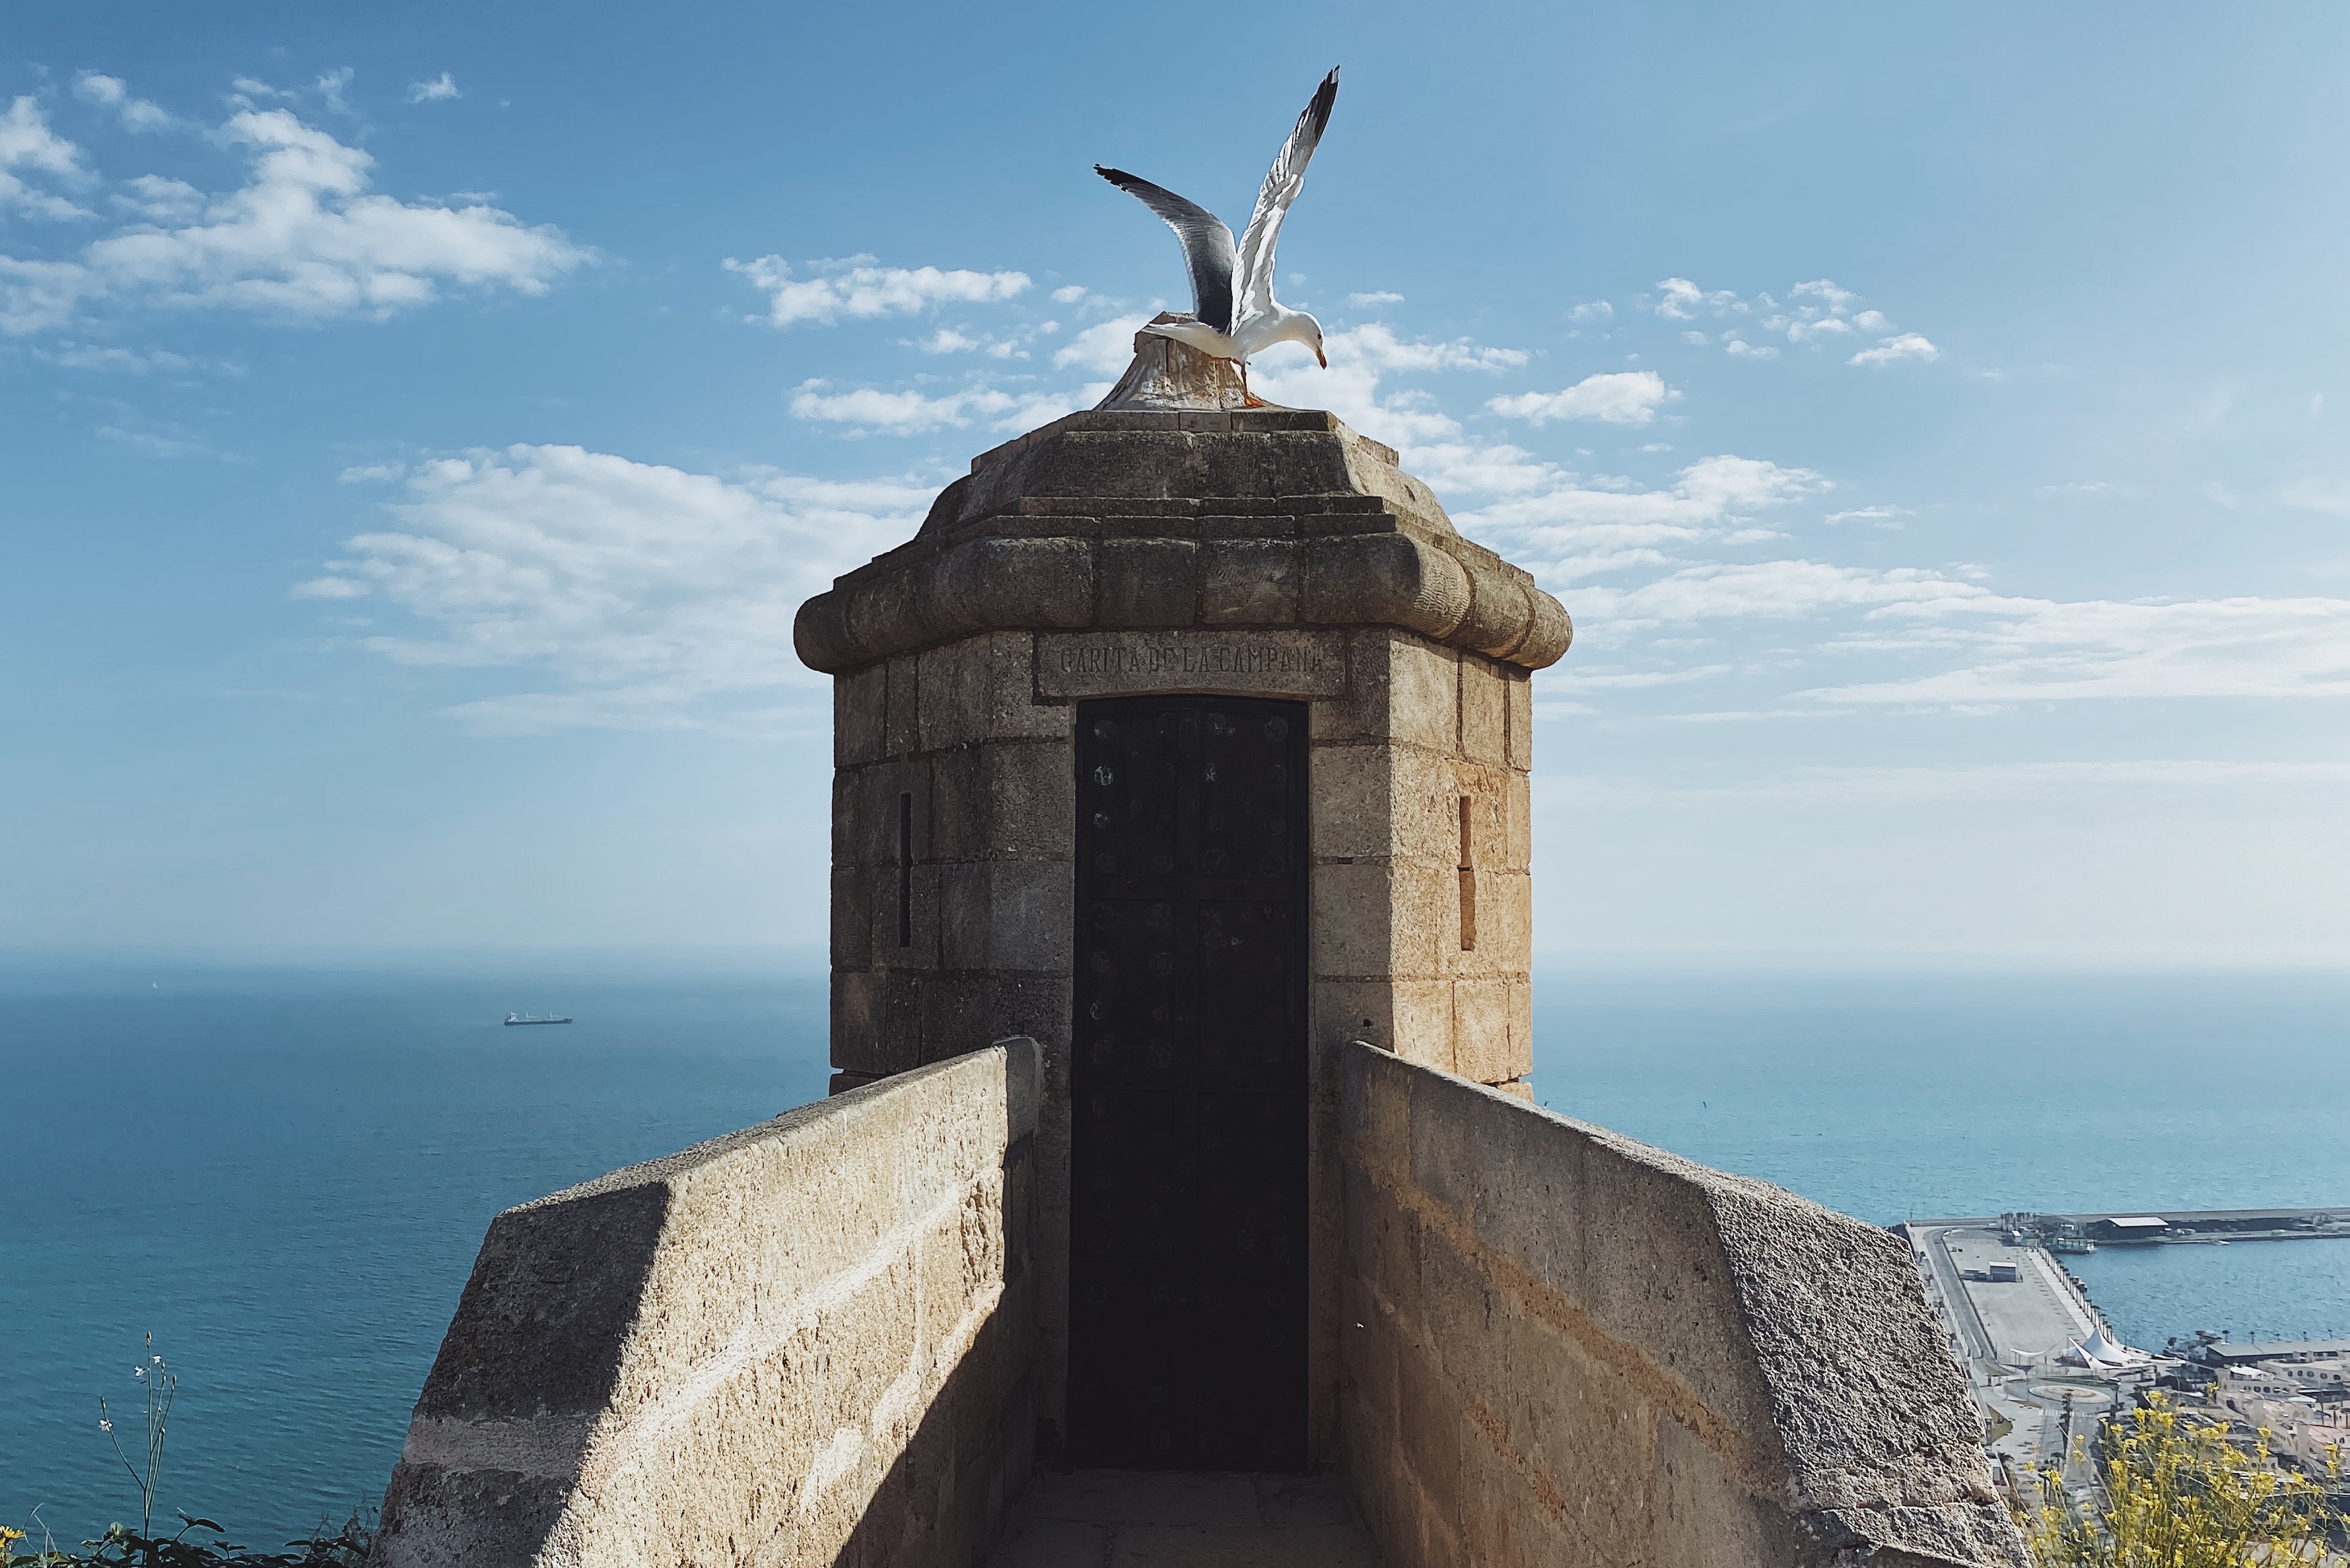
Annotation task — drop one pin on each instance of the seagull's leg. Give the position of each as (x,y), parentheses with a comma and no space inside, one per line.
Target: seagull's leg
(1249,399)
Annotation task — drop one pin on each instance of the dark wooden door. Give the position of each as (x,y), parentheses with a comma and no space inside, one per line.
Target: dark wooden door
(1187,1267)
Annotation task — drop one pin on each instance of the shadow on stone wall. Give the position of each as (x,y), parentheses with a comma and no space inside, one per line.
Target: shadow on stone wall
(1560,1346)
(813,1341)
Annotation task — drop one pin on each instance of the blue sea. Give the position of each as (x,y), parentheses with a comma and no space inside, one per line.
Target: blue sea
(283,1173)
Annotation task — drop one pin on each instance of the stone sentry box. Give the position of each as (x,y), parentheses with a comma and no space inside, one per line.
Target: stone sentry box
(1256,553)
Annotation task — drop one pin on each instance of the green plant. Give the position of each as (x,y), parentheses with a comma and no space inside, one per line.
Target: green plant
(162,1386)
(2179,1494)
(123,1547)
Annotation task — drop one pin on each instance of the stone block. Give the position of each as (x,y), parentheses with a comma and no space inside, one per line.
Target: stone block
(1515,851)
(1423,919)
(1347,1010)
(852,917)
(1390,579)
(1005,801)
(904,907)
(954,1016)
(860,715)
(1268,661)
(1520,703)
(1426,809)
(901,722)
(983,688)
(847,844)
(873,1023)
(1148,582)
(884,801)
(1400,687)
(1251,582)
(1354,922)
(1493,1029)
(1485,710)
(1007,915)
(1349,788)
(1504,925)
(1035,1004)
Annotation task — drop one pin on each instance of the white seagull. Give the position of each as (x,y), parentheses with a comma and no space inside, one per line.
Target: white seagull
(1224,275)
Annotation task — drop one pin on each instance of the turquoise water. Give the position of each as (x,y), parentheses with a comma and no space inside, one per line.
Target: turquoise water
(285,1173)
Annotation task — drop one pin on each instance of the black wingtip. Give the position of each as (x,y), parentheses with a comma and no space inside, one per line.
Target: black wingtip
(1325,97)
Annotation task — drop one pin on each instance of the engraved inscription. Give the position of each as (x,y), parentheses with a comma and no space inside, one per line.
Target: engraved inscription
(1094,664)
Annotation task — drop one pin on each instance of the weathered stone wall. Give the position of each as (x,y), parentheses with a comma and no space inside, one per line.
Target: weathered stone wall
(1563,1347)
(1265,552)
(810,1342)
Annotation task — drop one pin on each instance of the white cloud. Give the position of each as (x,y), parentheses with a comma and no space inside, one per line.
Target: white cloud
(1908,346)
(1104,348)
(652,597)
(161,200)
(1361,358)
(112,92)
(1591,311)
(304,238)
(1068,295)
(952,340)
(1816,311)
(87,357)
(872,410)
(330,88)
(1883,516)
(330,588)
(1620,398)
(372,473)
(1992,648)
(1679,299)
(1376,343)
(856,288)
(2026,649)
(27,142)
(444,86)
(2327,495)
(1377,296)
(1575,513)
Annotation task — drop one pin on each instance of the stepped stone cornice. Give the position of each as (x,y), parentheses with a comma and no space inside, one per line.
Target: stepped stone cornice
(1159,519)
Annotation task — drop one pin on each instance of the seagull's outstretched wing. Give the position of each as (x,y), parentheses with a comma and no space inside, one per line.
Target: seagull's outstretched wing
(1207,244)
(1282,183)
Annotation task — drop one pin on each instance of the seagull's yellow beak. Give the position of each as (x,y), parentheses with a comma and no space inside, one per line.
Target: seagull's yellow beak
(1318,355)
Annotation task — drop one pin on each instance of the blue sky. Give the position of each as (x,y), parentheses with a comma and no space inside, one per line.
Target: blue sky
(418,428)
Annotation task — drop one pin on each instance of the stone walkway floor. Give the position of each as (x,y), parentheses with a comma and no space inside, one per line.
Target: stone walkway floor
(1181,1519)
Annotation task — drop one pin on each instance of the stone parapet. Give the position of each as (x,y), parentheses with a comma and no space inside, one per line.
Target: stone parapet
(1563,1347)
(812,1341)
(1273,518)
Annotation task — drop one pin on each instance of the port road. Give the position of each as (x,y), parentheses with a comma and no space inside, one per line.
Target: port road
(2009,1334)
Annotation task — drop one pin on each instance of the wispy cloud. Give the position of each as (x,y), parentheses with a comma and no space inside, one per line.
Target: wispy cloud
(651,597)
(305,237)
(439,88)
(112,92)
(1617,397)
(26,142)
(858,288)
(1892,350)
(1817,312)
(872,410)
